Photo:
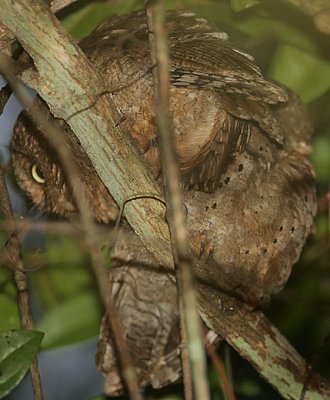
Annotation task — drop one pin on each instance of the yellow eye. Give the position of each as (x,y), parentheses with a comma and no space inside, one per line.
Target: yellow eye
(37,175)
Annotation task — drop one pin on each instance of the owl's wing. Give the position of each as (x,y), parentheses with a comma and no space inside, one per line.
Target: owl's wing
(217,64)
(207,173)
(207,61)
(201,59)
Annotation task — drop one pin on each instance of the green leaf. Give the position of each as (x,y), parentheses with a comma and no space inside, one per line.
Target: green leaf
(75,320)
(304,73)
(238,5)
(18,348)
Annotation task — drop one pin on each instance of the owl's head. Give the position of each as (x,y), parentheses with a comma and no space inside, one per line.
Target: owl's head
(37,170)
(40,175)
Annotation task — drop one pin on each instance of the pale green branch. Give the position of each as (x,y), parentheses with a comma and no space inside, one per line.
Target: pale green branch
(68,84)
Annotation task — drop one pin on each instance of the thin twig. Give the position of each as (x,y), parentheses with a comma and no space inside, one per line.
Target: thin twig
(20,280)
(189,318)
(136,197)
(58,143)
(25,225)
(226,384)
(228,362)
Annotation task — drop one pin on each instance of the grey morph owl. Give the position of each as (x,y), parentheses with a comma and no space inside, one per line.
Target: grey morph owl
(242,144)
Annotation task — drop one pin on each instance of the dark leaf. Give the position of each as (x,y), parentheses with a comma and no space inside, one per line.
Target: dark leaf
(18,348)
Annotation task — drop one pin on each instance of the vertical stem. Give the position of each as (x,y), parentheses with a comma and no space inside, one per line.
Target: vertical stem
(226,383)
(189,316)
(20,280)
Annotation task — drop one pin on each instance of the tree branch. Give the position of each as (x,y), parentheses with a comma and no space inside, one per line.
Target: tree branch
(258,341)
(71,88)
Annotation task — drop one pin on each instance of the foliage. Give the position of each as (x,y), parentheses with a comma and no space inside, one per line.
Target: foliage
(18,348)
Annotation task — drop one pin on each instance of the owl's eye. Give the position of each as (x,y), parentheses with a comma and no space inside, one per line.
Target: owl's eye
(37,175)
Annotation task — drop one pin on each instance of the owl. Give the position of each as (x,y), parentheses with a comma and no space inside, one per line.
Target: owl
(242,143)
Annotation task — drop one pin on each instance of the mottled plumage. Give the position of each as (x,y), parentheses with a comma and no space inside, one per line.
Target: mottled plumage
(248,187)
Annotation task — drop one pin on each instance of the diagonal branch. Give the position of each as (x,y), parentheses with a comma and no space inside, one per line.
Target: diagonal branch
(255,338)
(67,82)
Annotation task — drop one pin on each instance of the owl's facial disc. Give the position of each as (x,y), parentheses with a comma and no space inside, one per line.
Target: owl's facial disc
(37,174)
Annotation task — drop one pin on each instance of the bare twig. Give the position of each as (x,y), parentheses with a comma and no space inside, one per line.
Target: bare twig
(226,384)
(56,140)
(228,362)
(189,318)
(136,197)
(14,245)
(24,225)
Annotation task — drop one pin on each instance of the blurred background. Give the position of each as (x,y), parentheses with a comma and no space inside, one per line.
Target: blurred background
(289,42)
